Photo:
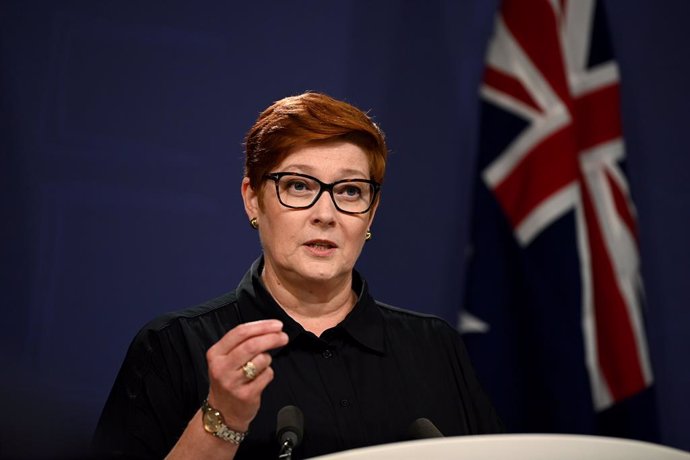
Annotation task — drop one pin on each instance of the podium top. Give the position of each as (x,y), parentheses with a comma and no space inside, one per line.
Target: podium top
(515,447)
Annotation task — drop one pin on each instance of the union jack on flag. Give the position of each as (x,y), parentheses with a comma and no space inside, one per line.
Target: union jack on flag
(549,69)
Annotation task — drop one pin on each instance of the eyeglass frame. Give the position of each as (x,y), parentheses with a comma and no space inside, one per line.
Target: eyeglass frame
(276,176)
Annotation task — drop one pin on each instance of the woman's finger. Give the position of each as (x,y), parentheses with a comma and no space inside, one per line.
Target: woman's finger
(223,364)
(244,331)
(253,346)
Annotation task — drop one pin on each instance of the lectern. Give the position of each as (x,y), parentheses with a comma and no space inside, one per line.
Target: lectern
(515,447)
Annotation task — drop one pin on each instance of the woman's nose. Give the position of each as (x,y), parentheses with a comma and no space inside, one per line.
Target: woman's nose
(324,209)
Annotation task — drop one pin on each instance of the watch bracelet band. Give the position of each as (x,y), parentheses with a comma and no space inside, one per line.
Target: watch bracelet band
(226,434)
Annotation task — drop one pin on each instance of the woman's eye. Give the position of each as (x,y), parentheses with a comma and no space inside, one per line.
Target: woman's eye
(297,186)
(349,191)
(353,191)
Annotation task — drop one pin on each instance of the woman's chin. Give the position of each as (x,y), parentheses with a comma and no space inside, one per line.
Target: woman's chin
(323,271)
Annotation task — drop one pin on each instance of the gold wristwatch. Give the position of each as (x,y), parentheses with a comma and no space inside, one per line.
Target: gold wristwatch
(214,423)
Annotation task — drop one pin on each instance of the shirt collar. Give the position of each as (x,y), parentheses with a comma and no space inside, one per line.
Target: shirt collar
(364,323)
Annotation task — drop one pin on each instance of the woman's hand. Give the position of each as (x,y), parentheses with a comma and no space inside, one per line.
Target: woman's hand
(235,395)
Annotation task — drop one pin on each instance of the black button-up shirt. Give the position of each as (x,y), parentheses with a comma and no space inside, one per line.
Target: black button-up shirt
(360,383)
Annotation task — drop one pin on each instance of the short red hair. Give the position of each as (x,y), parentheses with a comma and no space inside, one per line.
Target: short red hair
(309,118)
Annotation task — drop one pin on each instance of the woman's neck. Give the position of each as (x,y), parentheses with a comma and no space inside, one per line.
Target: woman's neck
(316,306)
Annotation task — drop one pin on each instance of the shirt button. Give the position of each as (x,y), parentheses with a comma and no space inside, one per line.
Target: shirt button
(345,403)
(327,354)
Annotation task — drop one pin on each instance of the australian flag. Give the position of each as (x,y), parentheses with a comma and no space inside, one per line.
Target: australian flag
(554,307)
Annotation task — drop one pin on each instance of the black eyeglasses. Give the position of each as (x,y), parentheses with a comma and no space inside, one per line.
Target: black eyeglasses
(300,191)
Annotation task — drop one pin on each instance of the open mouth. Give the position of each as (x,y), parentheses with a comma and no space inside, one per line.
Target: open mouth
(321,245)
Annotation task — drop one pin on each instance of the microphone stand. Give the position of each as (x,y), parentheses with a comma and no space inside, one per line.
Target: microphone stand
(286,450)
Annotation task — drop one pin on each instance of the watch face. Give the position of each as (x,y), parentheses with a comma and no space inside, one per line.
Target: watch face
(213,421)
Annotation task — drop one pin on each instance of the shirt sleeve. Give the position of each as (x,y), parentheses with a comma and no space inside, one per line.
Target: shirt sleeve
(145,412)
(480,413)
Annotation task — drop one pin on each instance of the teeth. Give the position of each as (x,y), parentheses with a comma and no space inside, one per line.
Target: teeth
(320,245)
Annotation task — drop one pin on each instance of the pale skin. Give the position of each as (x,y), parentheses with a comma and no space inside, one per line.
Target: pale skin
(309,255)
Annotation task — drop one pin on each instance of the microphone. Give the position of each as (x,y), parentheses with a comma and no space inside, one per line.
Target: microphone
(289,430)
(423,428)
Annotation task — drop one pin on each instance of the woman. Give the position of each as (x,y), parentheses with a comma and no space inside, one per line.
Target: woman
(301,328)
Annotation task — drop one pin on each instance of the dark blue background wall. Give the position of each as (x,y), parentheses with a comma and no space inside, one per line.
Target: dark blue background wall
(120,136)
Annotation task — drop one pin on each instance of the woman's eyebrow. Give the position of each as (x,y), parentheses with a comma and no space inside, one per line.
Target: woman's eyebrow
(349,172)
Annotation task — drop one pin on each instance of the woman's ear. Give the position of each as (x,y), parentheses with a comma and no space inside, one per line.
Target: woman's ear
(250,198)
